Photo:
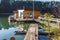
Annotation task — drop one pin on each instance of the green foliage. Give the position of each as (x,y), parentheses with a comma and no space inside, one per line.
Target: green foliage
(47,27)
(26,26)
(48,16)
(56,38)
(52,29)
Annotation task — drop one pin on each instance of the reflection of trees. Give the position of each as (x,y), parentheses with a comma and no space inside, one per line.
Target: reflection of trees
(1,25)
(23,25)
(4,22)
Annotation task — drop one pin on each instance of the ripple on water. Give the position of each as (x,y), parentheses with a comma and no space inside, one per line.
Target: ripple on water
(43,37)
(7,33)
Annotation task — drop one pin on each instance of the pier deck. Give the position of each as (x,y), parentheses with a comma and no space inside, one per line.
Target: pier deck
(32,33)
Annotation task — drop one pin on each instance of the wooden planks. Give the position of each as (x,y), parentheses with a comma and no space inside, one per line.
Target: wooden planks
(32,33)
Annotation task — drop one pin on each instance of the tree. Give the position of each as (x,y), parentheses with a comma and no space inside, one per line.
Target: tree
(47,18)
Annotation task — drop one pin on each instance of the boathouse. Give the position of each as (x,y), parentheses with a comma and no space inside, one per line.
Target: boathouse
(26,14)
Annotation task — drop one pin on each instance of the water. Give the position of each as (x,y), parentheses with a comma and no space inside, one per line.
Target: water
(43,37)
(4,22)
(6,31)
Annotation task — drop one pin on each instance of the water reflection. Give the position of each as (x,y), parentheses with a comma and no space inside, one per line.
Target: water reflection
(43,37)
(8,30)
(7,33)
(4,22)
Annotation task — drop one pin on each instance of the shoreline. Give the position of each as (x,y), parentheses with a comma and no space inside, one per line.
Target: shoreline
(5,14)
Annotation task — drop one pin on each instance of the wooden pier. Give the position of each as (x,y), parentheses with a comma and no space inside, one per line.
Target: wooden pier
(32,33)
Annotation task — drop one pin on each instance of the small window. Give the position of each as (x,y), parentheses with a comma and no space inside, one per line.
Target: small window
(30,13)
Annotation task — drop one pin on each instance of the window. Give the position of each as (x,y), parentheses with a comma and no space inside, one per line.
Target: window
(30,14)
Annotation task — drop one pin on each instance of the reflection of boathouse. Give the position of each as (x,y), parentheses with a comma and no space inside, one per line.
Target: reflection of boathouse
(21,15)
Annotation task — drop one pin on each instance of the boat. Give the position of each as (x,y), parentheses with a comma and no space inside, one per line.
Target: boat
(39,33)
(20,32)
(45,33)
(11,18)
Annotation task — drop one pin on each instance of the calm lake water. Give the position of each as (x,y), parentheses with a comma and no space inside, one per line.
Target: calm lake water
(7,31)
